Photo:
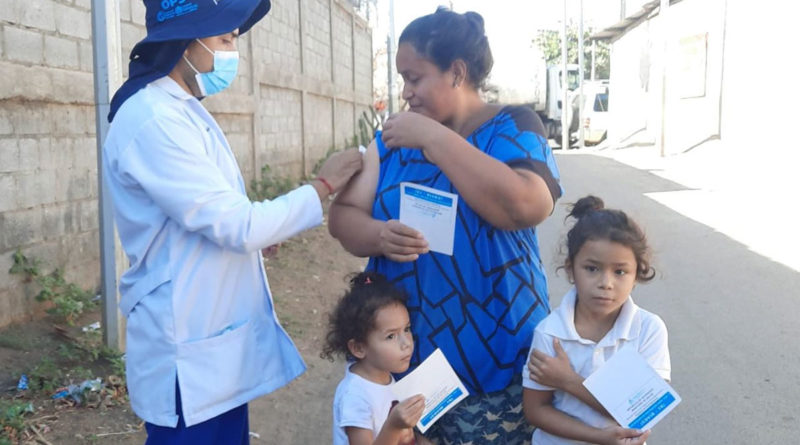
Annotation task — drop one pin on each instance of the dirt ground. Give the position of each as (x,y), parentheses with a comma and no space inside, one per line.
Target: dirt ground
(306,276)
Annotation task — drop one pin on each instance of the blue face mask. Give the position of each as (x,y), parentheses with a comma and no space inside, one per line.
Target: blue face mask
(226,64)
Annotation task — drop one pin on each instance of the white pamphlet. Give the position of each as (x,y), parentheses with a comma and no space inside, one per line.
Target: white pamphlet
(631,391)
(435,379)
(432,212)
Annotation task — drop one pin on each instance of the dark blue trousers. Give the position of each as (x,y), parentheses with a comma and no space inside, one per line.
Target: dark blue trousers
(230,428)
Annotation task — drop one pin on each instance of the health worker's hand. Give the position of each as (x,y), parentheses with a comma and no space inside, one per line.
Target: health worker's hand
(340,167)
(410,130)
(555,372)
(617,435)
(401,243)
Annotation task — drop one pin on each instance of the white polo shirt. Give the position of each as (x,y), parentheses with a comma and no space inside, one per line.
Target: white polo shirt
(634,325)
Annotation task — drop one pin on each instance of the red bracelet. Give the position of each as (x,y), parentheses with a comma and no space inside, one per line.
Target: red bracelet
(326,184)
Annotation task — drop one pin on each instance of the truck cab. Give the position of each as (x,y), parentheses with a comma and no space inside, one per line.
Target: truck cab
(551,112)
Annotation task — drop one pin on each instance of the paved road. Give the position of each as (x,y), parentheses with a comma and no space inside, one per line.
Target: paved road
(732,314)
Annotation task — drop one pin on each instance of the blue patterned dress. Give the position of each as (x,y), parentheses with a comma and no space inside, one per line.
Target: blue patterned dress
(481,305)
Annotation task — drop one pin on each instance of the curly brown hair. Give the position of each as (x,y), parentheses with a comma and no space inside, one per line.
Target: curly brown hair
(354,315)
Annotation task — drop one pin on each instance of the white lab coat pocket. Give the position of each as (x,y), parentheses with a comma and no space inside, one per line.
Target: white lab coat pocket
(212,371)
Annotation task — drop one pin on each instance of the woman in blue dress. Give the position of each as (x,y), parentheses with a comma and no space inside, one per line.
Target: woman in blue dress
(480,305)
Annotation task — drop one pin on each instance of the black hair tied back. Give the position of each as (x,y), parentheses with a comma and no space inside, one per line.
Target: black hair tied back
(475,20)
(586,205)
(367,278)
(445,36)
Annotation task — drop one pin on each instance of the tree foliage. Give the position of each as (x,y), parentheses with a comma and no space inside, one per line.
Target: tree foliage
(549,42)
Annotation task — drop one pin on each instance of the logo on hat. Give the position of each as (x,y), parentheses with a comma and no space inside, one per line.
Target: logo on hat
(171,9)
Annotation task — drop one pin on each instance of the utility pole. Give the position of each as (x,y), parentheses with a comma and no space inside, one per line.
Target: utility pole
(107,78)
(581,75)
(564,85)
(389,83)
(390,49)
(662,14)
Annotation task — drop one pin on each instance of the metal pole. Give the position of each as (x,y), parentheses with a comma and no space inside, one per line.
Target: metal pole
(594,50)
(389,83)
(390,49)
(107,77)
(564,86)
(581,75)
(662,139)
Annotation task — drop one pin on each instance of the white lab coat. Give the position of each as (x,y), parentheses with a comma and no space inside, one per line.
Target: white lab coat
(196,295)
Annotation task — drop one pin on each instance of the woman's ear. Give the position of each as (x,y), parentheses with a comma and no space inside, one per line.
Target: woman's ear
(459,70)
(356,348)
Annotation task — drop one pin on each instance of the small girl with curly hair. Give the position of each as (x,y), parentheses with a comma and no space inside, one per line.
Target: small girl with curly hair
(370,327)
(607,254)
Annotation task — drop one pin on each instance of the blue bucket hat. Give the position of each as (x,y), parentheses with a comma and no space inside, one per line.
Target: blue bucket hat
(195,19)
(171,27)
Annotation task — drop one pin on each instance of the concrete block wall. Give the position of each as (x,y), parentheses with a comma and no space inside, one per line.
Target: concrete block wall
(305,76)
(48,172)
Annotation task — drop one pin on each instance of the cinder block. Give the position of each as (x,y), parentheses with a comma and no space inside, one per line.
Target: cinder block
(23,45)
(93,184)
(37,84)
(8,199)
(72,87)
(33,14)
(20,228)
(70,120)
(6,126)
(53,221)
(130,35)
(85,56)
(78,186)
(6,262)
(9,156)
(32,189)
(60,52)
(31,119)
(88,216)
(84,153)
(84,4)
(71,217)
(55,154)
(28,154)
(125,10)
(73,22)
(138,12)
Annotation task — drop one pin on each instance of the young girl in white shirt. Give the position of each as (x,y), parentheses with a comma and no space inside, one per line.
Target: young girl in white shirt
(371,328)
(607,254)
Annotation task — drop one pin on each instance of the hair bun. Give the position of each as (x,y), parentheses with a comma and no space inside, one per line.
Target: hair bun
(586,205)
(475,19)
(366,278)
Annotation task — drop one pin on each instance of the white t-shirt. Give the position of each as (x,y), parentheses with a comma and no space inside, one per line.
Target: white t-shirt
(644,330)
(360,403)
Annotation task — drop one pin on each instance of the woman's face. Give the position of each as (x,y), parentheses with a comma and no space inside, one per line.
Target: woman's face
(427,89)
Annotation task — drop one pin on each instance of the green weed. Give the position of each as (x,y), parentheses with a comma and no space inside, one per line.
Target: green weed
(68,300)
(269,186)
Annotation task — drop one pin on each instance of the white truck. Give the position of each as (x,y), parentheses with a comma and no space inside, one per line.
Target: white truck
(540,87)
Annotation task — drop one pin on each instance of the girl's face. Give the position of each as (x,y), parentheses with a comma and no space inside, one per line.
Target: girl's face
(604,273)
(427,89)
(390,344)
